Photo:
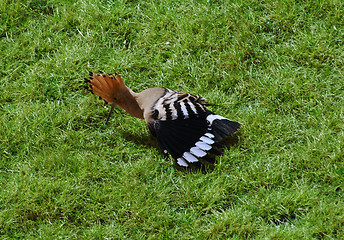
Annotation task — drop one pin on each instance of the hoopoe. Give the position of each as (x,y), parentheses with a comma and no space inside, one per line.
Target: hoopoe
(182,124)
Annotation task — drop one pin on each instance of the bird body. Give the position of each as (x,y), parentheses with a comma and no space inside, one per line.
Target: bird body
(182,124)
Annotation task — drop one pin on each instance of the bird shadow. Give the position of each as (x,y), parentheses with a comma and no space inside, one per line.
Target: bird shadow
(140,140)
(148,141)
(230,140)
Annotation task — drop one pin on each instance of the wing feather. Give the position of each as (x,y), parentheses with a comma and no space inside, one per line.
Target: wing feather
(186,129)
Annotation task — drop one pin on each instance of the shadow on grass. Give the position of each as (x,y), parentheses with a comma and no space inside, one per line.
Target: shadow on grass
(149,141)
(141,140)
(231,140)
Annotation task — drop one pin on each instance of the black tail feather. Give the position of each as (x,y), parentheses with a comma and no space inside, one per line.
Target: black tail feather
(222,128)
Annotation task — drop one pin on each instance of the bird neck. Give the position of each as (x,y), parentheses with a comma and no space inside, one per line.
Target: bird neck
(128,103)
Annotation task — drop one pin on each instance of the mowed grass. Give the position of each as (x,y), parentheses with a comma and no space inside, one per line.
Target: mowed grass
(275,66)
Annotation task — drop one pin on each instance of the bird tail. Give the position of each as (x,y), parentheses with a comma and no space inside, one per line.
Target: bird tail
(222,127)
(104,85)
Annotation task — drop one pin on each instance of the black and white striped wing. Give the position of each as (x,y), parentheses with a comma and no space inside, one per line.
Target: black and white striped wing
(187,130)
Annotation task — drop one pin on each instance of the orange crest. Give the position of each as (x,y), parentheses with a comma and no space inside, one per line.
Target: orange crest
(104,85)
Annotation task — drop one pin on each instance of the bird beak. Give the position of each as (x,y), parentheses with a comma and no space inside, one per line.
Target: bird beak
(109,114)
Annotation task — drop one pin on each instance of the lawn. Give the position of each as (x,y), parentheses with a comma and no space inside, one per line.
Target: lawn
(275,66)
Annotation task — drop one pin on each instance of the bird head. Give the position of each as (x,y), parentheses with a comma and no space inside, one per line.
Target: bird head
(108,87)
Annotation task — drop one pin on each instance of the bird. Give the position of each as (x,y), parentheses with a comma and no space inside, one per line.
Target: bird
(181,122)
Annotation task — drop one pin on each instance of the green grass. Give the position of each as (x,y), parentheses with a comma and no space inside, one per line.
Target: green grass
(275,66)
